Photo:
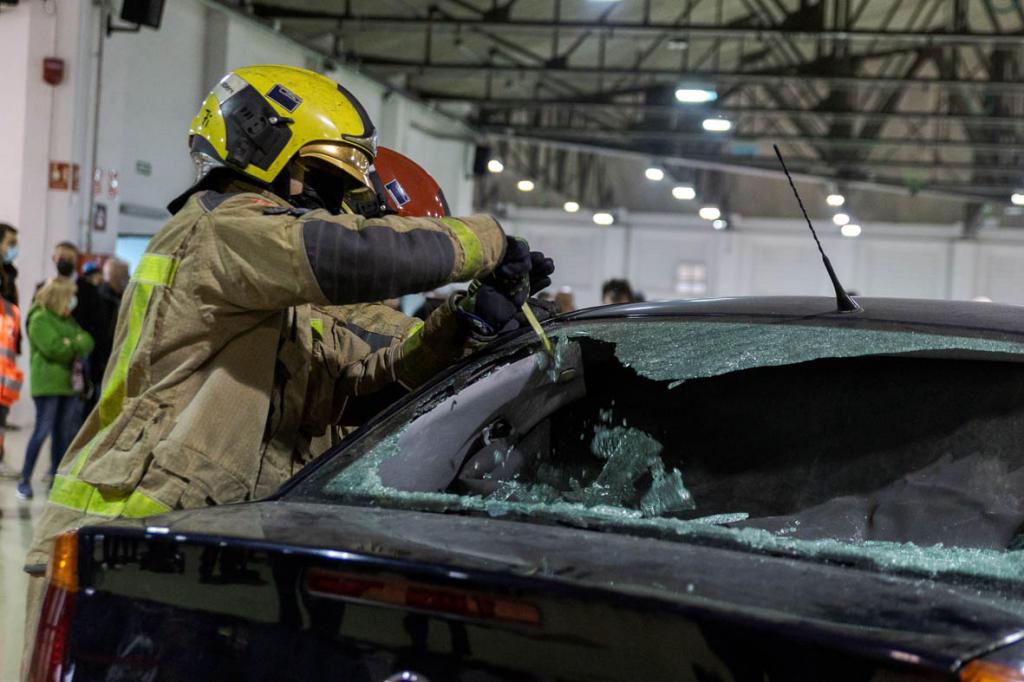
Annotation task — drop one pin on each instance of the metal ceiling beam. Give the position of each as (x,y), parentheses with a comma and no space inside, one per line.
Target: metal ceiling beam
(930,38)
(891,186)
(711,138)
(889,164)
(723,77)
(698,112)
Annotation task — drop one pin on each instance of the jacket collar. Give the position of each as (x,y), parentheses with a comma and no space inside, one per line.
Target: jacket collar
(225,181)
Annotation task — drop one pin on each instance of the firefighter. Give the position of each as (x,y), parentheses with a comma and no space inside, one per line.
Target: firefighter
(221,372)
(377,330)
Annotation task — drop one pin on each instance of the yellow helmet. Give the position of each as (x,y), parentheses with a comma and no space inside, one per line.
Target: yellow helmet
(258,118)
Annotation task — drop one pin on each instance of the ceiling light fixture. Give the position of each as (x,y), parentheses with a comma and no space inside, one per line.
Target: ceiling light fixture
(525,185)
(850,230)
(571,207)
(717,125)
(684,193)
(604,218)
(840,219)
(720,224)
(836,200)
(495,166)
(1017,198)
(695,95)
(654,174)
(710,213)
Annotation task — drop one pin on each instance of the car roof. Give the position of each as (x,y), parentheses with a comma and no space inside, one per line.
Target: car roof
(934,315)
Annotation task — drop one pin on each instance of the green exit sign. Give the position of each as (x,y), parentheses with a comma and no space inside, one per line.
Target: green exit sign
(144,168)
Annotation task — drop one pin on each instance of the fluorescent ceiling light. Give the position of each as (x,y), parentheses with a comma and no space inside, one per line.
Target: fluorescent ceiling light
(525,185)
(684,193)
(719,224)
(710,213)
(695,95)
(571,207)
(717,125)
(835,200)
(495,166)
(850,230)
(1017,198)
(604,218)
(840,219)
(655,174)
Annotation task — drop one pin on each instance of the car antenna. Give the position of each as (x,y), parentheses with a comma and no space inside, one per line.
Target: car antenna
(844,302)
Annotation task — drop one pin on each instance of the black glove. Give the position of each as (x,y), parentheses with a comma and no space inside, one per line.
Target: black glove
(494,304)
(541,269)
(487,310)
(512,276)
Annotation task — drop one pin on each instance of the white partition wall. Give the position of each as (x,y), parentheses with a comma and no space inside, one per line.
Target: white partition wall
(773,257)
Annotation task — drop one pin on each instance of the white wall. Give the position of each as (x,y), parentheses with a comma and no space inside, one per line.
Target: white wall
(772,256)
(155,81)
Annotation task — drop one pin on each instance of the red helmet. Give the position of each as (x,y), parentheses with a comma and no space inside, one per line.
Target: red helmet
(407,189)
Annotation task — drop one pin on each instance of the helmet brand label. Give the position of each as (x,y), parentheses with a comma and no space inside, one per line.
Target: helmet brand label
(397,193)
(285,97)
(228,87)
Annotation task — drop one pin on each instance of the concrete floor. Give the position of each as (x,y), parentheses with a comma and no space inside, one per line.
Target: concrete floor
(16,518)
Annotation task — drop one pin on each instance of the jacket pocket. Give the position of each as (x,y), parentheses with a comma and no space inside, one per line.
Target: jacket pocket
(120,458)
(198,480)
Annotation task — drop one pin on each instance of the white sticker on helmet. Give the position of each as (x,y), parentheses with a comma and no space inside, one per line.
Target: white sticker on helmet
(228,87)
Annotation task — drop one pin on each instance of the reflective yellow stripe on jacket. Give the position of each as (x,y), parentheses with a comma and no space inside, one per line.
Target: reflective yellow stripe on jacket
(153,271)
(470,245)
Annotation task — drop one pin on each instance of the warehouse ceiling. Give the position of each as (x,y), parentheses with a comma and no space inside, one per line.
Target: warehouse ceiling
(923,96)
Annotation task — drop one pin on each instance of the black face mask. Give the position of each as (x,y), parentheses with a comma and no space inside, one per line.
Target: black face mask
(310,199)
(65,267)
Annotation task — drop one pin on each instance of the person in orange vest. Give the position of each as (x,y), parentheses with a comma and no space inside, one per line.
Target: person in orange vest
(10,337)
(10,376)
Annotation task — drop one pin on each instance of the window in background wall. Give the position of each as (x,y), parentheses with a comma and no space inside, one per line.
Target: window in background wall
(130,249)
(691,279)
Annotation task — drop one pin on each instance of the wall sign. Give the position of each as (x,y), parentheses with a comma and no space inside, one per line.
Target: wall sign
(144,168)
(60,176)
(99,218)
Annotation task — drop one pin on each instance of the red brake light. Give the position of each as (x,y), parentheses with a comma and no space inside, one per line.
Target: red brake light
(420,596)
(49,656)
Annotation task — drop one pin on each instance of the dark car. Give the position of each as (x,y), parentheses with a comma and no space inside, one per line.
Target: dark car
(735,489)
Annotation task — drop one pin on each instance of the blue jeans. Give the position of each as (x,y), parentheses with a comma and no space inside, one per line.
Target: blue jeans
(54,417)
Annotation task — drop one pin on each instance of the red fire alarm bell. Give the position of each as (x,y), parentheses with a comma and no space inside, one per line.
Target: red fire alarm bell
(53,70)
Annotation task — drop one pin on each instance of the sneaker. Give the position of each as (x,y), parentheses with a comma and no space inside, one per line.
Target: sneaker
(7,471)
(24,491)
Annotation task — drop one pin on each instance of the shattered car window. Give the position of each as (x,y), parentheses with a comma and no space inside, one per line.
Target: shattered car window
(896,450)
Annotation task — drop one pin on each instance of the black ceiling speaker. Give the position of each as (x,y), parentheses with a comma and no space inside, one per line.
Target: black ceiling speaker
(481,155)
(143,12)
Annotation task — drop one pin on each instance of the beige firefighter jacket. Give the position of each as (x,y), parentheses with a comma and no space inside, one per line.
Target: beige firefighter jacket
(231,355)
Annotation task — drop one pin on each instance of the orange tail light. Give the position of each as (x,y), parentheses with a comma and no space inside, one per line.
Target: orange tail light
(49,655)
(985,671)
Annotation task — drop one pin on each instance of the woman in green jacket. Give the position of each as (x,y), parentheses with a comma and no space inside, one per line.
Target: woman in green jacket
(55,340)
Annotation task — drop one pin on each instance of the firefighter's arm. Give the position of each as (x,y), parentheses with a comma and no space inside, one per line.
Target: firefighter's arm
(280,260)
(409,362)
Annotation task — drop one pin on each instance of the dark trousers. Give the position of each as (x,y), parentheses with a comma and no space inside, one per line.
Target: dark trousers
(54,417)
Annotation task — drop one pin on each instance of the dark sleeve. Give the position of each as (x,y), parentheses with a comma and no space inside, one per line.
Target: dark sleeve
(356,259)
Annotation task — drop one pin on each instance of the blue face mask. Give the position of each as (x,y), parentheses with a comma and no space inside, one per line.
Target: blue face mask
(11,254)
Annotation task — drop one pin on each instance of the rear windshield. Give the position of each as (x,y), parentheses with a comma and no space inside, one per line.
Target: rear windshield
(897,450)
